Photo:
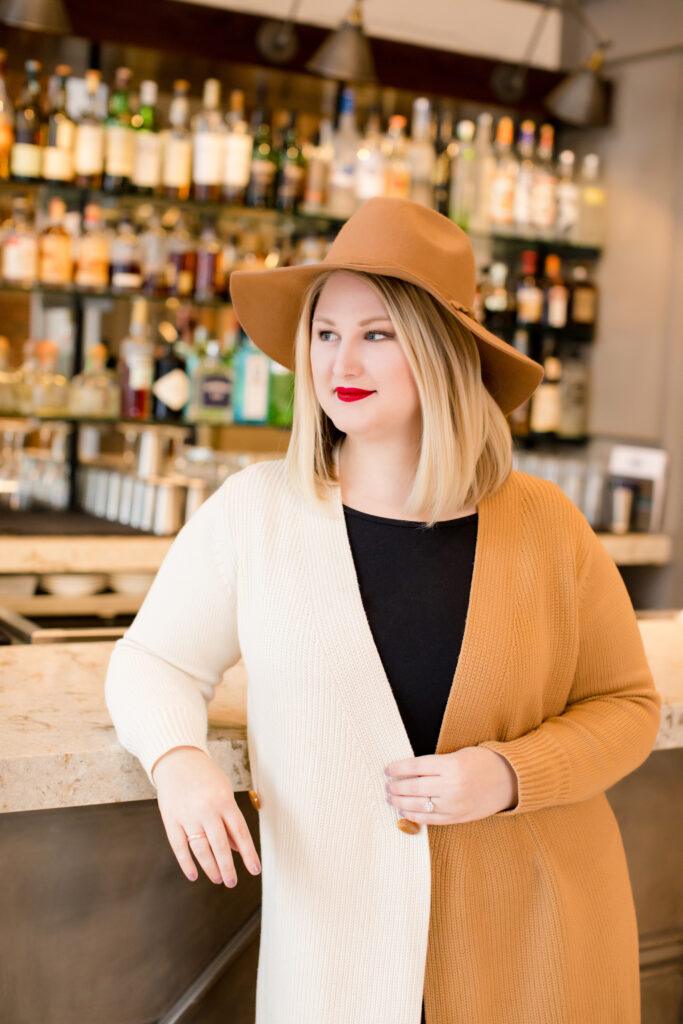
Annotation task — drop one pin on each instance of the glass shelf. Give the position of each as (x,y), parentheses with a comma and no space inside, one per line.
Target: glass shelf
(69,418)
(73,291)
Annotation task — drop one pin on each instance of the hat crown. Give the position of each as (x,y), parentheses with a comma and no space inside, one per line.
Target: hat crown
(420,244)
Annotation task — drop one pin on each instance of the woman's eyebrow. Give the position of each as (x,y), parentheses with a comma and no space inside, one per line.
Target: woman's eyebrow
(370,320)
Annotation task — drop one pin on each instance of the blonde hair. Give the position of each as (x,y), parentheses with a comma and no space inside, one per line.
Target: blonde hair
(466,445)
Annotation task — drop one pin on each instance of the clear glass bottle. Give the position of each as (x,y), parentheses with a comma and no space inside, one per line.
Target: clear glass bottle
(529,294)
(291,174)
(25,376)
(485,165)
(319,153)
(176,174)
(154,257)
(146,176)
(370,163)
(567,197)
(446,153)
(6,121)
(555,293)
(463,191)
(119,136)
(209,255)
(136,365)
(27,152)
(208,144)
(238,147)
(525,178)
(20,246)
(251,397)
(9,379)
(591,224)
(397,177)
(126,259)
(211,400)
(574,395)
(96,390)
(89,145)
(341,193)
(181,260)
(264,164)
(544,188)
(93,251)
(55,259)
(58,155)
(50,390)
(502,197)
(422,153)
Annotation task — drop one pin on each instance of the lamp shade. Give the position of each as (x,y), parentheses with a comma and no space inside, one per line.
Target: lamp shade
(580,99)
(345,54)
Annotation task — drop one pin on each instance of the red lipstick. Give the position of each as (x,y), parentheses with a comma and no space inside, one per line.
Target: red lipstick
(352,394)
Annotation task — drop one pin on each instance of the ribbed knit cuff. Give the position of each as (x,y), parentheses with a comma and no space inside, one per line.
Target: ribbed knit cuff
(160,728)
(542,770)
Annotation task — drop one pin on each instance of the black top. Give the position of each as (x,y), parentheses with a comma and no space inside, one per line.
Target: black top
(415,586)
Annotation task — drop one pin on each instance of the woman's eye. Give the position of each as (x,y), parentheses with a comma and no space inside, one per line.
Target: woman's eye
(384,334)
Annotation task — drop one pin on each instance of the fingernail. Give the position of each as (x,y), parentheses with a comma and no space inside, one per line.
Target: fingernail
(218,881)
(231,883)
(255,869)
(193,878)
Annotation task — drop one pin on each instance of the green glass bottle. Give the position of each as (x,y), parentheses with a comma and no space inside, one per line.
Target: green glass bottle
(119,136)
(264,164)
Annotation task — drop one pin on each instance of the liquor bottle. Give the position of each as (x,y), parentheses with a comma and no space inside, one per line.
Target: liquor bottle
(89,145)
(591,224)
(519,417)
(463,177)
(341,193)
(136,365)
(208,282)
(176,172)
(211,400)
(370,164)
(291,173)
(544,188)
(252,381)
(126,259)
(319,154)
(171,387)
(9,379)
(20,246)
(422,153)
(498,302)
(485,164)
(238,147)
(584,299)
(49,390)
(146,176)
(154,257)
(119,136)
(95,391)
(181,260)
(55,258)
(555,293)
(573,419)
(58,155)
(567,197)
(529,292)
(208,144)
(25,377)
(502,197)
(27,151)
(545,401)
(6,121)
(525,178)
(397,173)
(446,153)
(92,251)
(264,164)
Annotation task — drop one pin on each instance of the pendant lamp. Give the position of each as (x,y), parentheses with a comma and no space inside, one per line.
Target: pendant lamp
(345,54)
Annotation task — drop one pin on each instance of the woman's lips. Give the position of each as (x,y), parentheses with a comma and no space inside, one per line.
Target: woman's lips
(352,394)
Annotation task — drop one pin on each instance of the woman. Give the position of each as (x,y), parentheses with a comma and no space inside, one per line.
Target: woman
(430,637)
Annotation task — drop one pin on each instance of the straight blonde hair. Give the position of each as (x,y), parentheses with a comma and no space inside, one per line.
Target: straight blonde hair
(466,444)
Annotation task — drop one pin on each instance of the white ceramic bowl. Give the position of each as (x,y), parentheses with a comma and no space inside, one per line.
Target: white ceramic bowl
(73,584)
(133,583)
(18,584)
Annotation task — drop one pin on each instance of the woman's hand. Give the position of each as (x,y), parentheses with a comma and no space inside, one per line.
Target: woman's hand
(194,795)
(466,785)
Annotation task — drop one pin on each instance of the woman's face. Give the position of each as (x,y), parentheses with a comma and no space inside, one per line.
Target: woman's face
(354,346)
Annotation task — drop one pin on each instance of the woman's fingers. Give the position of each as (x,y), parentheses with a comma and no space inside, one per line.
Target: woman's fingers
(178,843)
(239,834)
(203,852)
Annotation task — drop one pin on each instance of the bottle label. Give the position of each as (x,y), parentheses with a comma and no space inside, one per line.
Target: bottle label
(147,159)
(238,148)
(207,165)
(89,150)
(58,164)
(262,171)
(292,181)
(502,197)
(557,306)
(26,160)
(545,408)
(140,372)
(583,306)
(55,259)
(543,201)
(370,179)
(126,279)
(20,258)
(93,263)
(397,182)
(177,162)
(567,208)
(215,392)
(529,304)
(255,394)
(119,150)
(173,389)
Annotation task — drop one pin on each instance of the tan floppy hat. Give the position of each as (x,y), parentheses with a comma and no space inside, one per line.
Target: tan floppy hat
(396,238)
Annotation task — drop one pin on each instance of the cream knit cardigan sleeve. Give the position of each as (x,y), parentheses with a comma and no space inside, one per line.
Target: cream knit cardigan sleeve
(163,671)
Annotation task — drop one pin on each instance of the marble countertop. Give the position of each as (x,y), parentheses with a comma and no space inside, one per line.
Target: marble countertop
(58,747)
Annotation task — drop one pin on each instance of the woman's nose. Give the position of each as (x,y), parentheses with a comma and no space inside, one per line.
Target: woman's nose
(347,357)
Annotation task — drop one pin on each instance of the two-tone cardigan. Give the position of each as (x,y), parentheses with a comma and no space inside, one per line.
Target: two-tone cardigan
(523,917)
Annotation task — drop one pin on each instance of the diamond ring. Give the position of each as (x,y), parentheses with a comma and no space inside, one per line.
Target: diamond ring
(429,804)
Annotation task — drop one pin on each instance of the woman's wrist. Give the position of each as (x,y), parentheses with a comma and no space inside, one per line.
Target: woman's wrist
(174,750)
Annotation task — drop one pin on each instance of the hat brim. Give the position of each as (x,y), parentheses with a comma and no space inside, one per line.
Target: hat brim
(268,306)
